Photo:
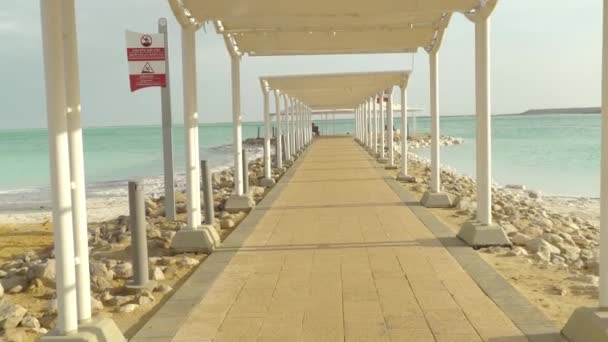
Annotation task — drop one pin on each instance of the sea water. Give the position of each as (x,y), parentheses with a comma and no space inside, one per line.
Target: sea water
(556,154)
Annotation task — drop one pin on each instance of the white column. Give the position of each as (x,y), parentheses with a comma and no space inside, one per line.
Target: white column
(403,130)
(267,134)
(603,302)
(391,149)
(79,205)
(382,130)
(237,130)
(375,124)
(191,127)
(482,94)
(59,166)
(287,127)
(367,128)
(279,143)
(370,124)
(435,165)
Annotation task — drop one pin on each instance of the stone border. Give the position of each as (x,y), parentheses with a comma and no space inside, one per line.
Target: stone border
(526,316)
(166,322)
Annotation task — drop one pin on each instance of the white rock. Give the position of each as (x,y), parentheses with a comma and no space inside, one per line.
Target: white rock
(520,239)
(10,314)
(99,269)
(157,274)
(96,305)
(517,251)
(51,307)
(44,272)
(128,308)
(2,274)
(535,245)
(1,290)
(163,288)
(30,322)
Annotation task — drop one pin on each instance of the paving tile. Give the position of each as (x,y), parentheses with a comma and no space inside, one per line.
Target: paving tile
(332,254)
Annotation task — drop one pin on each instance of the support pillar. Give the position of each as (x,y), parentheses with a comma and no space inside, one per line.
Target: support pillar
(278,139)
(435,198)
(287,127)
(391,139)
(375,128)
(590,324)
(239,200)
(382,154)
(482,232)
(268,181)
(62,92)
(403,175)
(193,238)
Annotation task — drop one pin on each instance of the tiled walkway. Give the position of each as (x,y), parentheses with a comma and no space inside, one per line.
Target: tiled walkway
(332,255)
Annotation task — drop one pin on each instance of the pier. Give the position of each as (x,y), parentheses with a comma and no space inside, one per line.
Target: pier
(339,251)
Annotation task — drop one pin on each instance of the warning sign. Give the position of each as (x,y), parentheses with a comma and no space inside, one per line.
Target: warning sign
(147,69)
(146,55)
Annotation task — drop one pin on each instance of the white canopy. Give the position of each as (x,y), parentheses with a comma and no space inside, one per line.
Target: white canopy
(290,27)
(326,92)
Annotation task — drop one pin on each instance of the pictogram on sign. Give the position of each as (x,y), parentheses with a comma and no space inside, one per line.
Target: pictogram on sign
(147,69)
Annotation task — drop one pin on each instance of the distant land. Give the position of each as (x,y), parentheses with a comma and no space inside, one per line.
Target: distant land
(580,110)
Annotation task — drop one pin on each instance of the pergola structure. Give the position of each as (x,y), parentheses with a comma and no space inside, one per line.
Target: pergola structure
(333,92)
(273,28)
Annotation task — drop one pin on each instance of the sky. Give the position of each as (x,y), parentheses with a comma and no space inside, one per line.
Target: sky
(544,54)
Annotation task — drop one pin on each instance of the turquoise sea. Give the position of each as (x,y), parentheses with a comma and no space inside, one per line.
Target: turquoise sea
(557,154)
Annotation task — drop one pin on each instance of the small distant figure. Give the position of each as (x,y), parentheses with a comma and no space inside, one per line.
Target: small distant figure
(315,130)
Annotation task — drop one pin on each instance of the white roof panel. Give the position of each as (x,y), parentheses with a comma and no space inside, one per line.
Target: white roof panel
(336,91)
(288,27)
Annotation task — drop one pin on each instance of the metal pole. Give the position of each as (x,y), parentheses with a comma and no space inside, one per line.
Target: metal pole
(207,193)
(484,194)
(382,139)
(236,126)
(403,130)
(245,172)
(435,173)
(279,138)
(165,95)
(139,241)
(79,205)
(391,149)
(52,41)
(191,128)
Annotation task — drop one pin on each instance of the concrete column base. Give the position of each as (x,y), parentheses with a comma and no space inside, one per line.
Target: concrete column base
(587,325)
(391,167)
(239,203)
(267,182)
(205,239)
(478,235)
(97,330)
(382,160)
(406,178)
(436,200)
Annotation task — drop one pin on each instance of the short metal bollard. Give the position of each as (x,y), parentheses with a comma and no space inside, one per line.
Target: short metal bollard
(207,193)
(139,241)
(245,172)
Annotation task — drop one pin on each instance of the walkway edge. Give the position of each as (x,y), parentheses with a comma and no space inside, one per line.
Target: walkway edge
(526,316)
(165,323)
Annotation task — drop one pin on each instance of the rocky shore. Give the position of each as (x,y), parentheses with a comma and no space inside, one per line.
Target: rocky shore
(546,231)
(28,306)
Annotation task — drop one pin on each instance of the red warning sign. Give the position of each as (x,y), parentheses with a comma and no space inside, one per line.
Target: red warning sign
(146,56)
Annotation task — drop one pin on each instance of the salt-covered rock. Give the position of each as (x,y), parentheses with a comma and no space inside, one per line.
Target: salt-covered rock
(10,314)
(99,269)
(536,244)
(517,251)
(227,223)
(520,239)
(51,307)
(157,274)
(187,262)
(2,274)
(121,300)
(128,308)
(30,321)
(96,305)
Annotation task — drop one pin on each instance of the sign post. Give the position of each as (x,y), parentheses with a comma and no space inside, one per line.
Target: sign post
(148,59)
